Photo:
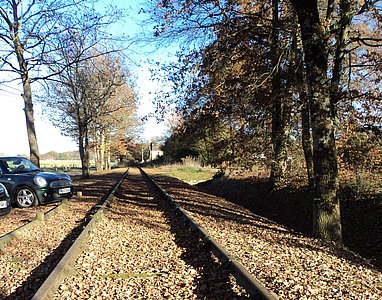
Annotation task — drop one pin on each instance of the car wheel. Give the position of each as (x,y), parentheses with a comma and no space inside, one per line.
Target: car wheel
(25,197)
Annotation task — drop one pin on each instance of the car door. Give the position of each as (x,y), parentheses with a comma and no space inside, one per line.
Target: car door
(7,179)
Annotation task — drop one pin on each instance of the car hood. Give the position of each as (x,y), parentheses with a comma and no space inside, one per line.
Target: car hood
(50,175)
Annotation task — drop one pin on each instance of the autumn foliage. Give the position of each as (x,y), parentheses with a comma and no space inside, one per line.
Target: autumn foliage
(279,84)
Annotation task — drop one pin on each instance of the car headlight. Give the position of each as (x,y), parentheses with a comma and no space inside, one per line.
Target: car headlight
(3,189)
(40,181)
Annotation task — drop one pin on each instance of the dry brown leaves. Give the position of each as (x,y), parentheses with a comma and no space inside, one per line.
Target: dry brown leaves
(20,216)
(26,261)
(289,264)
(140,251)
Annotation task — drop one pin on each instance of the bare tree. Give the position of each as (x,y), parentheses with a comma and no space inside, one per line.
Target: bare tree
(88,95)
(28,36)
(112,89)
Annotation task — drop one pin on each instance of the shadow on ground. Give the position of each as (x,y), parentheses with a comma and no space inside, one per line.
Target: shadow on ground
(361,220)
(95,190)
(213,281)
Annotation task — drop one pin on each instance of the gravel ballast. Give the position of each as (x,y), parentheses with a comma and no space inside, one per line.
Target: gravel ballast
(289,264)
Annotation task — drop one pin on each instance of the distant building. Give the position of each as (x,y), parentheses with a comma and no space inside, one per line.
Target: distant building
(155,152)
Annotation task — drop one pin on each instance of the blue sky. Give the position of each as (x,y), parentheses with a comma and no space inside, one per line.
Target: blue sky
(13,135)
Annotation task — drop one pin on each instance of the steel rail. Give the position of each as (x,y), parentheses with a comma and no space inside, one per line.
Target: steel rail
(64,268)
(253,286)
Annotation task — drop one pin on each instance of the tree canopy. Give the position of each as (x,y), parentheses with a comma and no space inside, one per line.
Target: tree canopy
(31,35)
(276,79)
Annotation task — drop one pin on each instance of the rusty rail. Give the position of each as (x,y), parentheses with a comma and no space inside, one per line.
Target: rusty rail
(64,268)
(253,286)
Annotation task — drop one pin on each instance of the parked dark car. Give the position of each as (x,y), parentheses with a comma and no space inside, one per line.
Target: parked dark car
(5,202)
(27,185)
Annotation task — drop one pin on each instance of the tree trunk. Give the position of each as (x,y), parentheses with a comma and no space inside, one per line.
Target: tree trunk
(346,15)
(83,146)
(108,160)
(96,159)
(107,153)
(28,104)
(29,116)
(96,151)
(307,140)
(278,131)
(86,165)
(301,83)
(326,207)
(102,150)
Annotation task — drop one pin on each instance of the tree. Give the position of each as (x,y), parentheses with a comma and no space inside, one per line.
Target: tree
(239,72)
(115,121)
(88,94)
(226,80)
(28,32)
(324,96)
(260,64)
(281,104)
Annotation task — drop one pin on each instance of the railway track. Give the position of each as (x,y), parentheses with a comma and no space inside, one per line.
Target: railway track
(142,248)
(28,254)
(145,245)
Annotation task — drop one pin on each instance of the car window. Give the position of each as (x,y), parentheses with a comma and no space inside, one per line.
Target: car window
(19,165)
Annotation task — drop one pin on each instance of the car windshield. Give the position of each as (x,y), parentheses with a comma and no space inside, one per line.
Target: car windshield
(19,165)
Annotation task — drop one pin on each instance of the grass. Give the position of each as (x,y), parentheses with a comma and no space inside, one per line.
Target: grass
(190,174)
(61,165)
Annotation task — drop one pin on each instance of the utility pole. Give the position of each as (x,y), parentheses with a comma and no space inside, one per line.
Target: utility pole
(151,152)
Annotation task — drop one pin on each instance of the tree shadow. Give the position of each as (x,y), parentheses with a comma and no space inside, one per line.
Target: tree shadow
(37,277)
(213,280)
(361,220)
(289,207)
(95,190)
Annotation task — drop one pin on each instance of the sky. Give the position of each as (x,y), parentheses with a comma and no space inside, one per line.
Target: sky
(13,134)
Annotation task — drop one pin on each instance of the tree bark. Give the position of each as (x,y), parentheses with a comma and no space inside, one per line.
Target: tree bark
(29,117)
(107,154)
(307,140)
(278,128)
(102,148)
(346,16)
(83,146)
(301,83)
(27,96)
(326,207)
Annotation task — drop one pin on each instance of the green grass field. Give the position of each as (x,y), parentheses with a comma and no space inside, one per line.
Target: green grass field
(189,174)
(61,165)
